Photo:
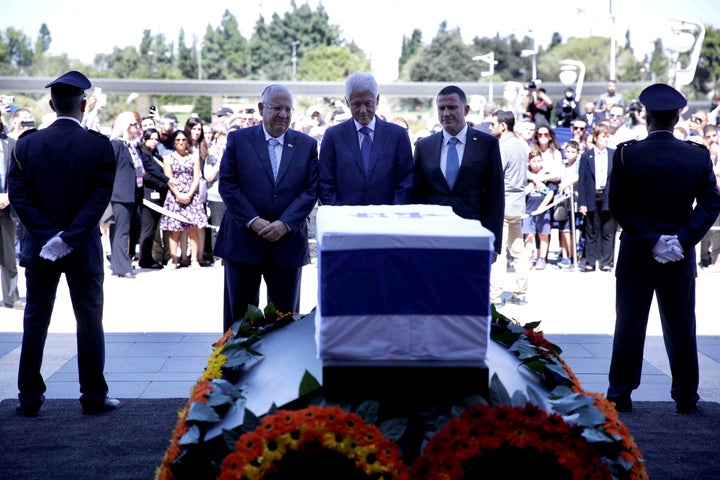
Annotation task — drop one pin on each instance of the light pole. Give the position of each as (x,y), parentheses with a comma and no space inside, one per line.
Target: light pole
(532,53)
(488,58)
(572,72)
(294,58)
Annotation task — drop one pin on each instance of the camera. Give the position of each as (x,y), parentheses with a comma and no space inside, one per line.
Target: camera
(153,111)
(7,100)
(28,124)
(532,85)
(250,110)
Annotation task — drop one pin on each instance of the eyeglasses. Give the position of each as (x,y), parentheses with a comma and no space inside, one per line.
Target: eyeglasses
(276,109)
(544,134)
(577,127)
(615,115)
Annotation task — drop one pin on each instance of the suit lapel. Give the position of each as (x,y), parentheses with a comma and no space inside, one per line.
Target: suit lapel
(350,136)
(261,150)
(287,154)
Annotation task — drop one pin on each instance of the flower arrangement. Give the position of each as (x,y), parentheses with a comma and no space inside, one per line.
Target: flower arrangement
(571,432)
(527,437)
(261,452)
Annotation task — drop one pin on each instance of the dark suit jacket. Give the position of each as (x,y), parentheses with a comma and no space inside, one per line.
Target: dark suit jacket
(479,191)
(586,180)
(248,190)
(154,179)
(342,175)
(61,179)
(661,186)
(125,181)
(8,145)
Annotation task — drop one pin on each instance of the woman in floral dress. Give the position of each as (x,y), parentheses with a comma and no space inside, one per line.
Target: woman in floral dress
(183,165)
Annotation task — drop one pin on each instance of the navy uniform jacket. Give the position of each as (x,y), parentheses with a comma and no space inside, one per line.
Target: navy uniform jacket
(248,190)
(342,174)
(61,179)
(479,190)
(661,186)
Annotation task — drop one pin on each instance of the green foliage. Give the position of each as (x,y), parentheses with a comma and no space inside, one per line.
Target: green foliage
(447,58)
(330,63)
(707,75)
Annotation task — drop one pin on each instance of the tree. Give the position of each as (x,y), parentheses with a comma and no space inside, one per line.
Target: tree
(271,43)
(330,63)
(659,63)
(446,59)
(225,51)
(410,47)
(16,53)
(42,44)
(187,58)
(707,75)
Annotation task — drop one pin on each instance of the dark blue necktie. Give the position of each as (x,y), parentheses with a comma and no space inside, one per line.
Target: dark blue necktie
(365,148)
(452,167)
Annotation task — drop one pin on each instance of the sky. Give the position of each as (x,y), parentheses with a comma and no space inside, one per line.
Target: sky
(83,28)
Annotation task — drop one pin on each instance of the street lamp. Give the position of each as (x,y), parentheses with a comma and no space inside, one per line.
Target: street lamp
(294,58)
(687,36)
(572,72)
(488,58)
(532,53)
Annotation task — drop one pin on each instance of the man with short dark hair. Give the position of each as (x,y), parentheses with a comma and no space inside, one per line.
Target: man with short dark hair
(513,154)
(61,180)
(664,195)
(461,167)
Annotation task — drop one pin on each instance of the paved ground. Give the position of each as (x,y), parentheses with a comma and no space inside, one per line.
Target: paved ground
(161,325)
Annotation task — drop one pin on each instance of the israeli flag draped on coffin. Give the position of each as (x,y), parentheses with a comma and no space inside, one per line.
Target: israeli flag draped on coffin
(402,283)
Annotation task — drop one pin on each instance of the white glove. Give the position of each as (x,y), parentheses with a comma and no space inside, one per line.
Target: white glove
(55,248)
(667,249)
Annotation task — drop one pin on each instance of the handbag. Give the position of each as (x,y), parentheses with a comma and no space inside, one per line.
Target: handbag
(203,191)
(560,214)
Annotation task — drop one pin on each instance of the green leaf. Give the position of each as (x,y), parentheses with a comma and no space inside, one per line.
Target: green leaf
(498,395)
(518,399)
(308,384)
(536,397)
(226,388)
(394,429)
(236,357)
(270,312)
(201,412)
(191,437)
(368,411)
(558,370)
(250,421)
(216,400)
(230,437)
(254,314)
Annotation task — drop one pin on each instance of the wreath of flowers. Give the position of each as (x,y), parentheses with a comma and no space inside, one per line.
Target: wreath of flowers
(258,452)
(484,430)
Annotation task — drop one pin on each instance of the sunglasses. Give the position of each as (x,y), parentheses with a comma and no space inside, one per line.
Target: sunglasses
(178,140)
(578,128)
(546,134)
(615,116)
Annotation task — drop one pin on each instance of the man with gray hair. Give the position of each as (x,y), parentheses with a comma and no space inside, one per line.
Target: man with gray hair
(365,160)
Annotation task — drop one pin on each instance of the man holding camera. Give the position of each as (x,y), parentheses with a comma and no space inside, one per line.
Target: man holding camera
(567,110)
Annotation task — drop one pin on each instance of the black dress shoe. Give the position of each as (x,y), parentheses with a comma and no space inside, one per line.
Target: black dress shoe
(125,275)
(26,411)
(622,404)
(685,407)
(100,406)
(152,266)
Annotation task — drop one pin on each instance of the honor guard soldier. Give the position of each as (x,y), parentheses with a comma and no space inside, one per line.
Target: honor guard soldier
(664,195)
(60,182)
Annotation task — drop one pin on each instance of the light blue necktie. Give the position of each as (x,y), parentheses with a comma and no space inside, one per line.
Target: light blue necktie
(272,143)
(365,149)
(452,167)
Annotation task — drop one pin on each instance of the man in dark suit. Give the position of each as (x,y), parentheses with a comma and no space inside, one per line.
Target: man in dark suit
(268,181)
(461,167)
(664,195)
(365,160)
(60,183)
(599,225)
(8,222)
